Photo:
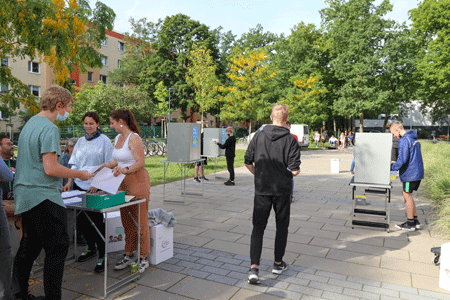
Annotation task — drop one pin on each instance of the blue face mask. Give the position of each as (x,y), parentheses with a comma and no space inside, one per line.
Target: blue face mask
(62,118)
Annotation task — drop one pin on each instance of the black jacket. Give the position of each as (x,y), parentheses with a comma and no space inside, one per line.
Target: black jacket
(275,153)
(229,146)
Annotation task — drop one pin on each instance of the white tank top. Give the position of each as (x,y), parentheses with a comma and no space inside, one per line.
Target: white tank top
(123,156)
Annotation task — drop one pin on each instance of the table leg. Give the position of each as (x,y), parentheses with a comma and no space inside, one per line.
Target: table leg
(106,253)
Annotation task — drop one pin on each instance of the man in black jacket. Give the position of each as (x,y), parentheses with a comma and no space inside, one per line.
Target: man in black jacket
(230,149)
(273,156)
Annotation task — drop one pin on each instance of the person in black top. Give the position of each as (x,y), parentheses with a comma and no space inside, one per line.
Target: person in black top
(273,156)
(230,149)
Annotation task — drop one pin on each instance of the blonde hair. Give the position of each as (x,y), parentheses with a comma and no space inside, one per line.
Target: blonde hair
(229,129)
(396,126)
(53,95)
(280,112)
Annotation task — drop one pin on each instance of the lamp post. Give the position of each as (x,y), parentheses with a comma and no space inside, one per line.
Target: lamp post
(169,103)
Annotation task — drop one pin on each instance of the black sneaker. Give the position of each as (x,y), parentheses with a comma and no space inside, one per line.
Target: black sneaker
(253,277)
(204,178)
(100,266)
(405,226)
(87,255)
(124,262)
(229,182)
(279,268)
(196,179)
(417,224)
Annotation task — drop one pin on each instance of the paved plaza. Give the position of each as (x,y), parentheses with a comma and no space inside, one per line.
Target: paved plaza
(327,258)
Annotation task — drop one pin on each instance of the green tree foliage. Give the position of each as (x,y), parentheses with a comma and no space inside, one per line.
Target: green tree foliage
(431,30)
(104,98)
(256,38)
(202,76)
(163,55)
(61,33)
(355,32)
(247,98)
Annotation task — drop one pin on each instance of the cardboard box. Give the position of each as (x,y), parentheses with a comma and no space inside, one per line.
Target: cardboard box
(161,243)
(101,200)
(115,235)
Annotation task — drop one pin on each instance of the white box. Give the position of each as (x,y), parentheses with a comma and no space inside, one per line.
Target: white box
(161,243)
(444,272)
(115,236)
(335,165)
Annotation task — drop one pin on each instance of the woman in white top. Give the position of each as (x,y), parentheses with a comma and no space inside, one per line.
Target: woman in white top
(93,149)
(129,159)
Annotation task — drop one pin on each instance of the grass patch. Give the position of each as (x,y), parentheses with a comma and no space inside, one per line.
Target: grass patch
(155,168)
(436,184)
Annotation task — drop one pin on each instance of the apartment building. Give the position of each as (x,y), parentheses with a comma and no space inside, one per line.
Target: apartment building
(39,76)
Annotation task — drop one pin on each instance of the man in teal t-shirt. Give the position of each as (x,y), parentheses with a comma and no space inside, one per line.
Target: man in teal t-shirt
(37,191)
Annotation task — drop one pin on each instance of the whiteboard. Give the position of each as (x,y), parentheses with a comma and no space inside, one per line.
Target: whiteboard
(373,158)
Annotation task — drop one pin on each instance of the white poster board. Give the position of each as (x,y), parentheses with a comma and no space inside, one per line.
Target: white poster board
(444,272)
(373,158)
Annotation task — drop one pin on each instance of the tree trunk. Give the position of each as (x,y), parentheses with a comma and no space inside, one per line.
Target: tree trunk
(323,126)
(361,122)
(353,123)
(202,122)
(250,128)
(386,118)
(334,125)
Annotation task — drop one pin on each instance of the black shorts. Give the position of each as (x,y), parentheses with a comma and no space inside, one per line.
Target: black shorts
(205,162)
(410,186)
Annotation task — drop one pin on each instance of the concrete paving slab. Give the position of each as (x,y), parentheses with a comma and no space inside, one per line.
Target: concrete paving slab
(203,289)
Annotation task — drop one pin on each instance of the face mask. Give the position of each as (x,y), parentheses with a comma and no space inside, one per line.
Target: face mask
(62,118)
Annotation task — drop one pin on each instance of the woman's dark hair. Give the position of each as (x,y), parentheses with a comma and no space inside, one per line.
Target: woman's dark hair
(93,115)
(127,116)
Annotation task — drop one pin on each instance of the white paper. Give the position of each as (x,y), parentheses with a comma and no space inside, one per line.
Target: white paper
(106,181)
(215,140)
(71,194)
(444,273)
(72,200)
(128,198)
(90,169)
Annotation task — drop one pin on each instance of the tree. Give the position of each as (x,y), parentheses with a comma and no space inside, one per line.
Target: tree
(167,58)
(256,38)
(248,96)
(202,76)
(61,33)
(104,98)
(355,32)
(431,31)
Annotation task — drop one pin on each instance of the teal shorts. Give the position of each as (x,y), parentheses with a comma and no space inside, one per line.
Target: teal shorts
(410,186)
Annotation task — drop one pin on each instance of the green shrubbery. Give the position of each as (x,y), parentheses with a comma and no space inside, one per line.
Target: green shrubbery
(436,184)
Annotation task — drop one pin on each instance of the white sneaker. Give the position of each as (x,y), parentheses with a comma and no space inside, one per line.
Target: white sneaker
(124,262)
(143,265)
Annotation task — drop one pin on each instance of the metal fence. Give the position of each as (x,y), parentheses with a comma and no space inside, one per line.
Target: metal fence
(78,131)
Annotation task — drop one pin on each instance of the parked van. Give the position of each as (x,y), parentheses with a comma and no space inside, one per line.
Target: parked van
(302,132)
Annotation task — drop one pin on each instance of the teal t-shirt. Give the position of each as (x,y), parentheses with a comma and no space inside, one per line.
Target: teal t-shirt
(31,185)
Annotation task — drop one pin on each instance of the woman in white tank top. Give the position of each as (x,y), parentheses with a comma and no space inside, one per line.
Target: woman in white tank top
(129,159)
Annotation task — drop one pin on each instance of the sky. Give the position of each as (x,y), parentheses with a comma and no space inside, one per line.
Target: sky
(276,16)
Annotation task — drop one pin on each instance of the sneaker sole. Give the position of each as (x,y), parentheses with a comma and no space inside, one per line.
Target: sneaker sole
(121,267)
(405,229)
(254,281)
(418,227)
(87,259)
(278,272)
(141,270)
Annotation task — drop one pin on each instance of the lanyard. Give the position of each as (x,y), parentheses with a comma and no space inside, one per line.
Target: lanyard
(9,167)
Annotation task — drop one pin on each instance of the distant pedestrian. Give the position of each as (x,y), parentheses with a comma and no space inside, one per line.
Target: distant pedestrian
(317,138)
(410,165)
(273,156)
(230,153)
(324,137)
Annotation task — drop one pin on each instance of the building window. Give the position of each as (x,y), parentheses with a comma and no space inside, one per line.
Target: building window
(90,77)
(3,116)
(4,88)
(121,46)
(103,78)
(5,62)
(104,60)
(119,64)
(34,90)
(33,67)
(104,42)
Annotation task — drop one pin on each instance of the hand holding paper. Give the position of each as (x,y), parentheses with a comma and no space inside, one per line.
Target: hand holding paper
(106,181)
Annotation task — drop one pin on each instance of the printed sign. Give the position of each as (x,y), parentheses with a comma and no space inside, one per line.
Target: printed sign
(224,136)
(444,274)
(195,136)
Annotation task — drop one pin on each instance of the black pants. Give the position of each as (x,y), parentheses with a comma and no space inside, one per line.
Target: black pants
(89,232)
(44,226)
(230,166)
(261,212)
